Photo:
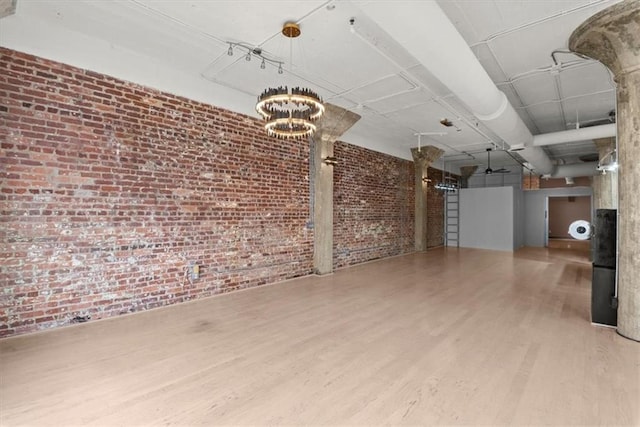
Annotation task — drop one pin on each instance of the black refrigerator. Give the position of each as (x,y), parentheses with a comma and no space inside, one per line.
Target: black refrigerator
(604,304)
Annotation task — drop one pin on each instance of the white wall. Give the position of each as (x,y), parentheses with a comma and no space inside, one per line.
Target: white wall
(518,219)
(487,218)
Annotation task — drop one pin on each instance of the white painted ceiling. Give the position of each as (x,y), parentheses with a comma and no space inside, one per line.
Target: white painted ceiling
(182,46)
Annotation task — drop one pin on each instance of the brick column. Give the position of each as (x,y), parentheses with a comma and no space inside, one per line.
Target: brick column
(422,159)
(612,36)
(335,122)
(605,187)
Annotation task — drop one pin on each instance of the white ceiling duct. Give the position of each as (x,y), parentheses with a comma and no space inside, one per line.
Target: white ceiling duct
(573,135)
(574,170)
(427,34)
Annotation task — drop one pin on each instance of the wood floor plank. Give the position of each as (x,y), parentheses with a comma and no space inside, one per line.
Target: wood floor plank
(450,336)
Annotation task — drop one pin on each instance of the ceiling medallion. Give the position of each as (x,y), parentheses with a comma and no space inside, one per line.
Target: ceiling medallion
(290,114)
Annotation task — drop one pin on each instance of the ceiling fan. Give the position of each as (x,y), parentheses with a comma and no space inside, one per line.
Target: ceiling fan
(488,170)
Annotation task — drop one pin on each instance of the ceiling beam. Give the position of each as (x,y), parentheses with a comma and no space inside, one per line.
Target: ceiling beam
(428,34)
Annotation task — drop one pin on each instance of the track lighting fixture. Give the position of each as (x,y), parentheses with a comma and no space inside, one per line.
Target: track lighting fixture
(249,52)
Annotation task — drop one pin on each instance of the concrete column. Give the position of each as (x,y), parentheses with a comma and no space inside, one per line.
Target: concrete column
(605,187)
(612,36)
(465,174)
(422,159)
(334,122)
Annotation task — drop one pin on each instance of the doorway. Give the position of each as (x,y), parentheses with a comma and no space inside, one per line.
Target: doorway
(563,210)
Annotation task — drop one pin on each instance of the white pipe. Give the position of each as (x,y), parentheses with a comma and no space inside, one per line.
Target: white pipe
(574,170)
(572,135)
(428,35)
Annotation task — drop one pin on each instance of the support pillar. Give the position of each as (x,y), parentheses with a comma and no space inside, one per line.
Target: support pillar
(465,174)
(422,158)
(612,36)
(333,124)
(605,187)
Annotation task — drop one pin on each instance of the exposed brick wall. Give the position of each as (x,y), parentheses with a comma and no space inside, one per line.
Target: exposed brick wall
(373,207)
(435,210)
(533,182)
(109,189)
(530,182)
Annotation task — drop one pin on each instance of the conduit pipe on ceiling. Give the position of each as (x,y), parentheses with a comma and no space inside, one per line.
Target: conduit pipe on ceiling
(427,34)
(572,135)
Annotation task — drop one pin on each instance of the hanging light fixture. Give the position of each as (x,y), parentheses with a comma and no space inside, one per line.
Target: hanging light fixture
(290,113)
(448,184)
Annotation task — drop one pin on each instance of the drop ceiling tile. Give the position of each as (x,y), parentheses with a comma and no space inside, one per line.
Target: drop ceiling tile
(590,78)
(522,12)
(400,101)
(536,88)
(337,56)
(589,108)
(344,103)
(547,117)
(420,118)
(480,20)
(248,77)
(249,20)
(384,88)
(534,30)
(529,48)
(428,81)
(130,26)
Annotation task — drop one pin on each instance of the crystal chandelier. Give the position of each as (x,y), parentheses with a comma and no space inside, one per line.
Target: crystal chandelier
(447,187)
(290,113)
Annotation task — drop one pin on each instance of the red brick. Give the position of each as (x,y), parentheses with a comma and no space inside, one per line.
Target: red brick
(123,185)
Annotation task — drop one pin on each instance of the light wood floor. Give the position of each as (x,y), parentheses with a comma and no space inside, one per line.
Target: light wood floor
(444,337)
(578,245)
